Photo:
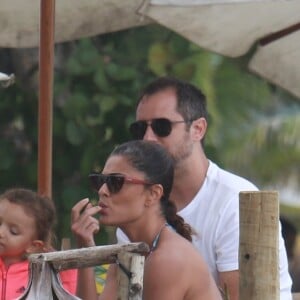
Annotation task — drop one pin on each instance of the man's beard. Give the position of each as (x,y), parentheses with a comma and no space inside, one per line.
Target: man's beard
(183,151)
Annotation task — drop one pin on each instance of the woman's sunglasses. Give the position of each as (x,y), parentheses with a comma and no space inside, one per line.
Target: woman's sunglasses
(114,181)
(161,127)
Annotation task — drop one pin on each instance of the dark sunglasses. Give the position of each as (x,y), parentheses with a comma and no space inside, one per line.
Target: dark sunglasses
(161,127)
(114,181)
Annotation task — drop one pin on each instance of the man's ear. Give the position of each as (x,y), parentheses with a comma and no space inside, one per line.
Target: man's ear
(198,128)
(36,247)
(156,191)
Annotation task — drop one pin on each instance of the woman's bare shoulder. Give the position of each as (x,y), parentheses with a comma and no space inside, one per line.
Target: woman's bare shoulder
(176,252)
(167,264)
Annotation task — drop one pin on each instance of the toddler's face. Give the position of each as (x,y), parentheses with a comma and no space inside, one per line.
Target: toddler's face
(17,231)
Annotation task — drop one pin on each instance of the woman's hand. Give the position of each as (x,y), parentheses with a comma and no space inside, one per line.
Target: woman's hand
(83,224)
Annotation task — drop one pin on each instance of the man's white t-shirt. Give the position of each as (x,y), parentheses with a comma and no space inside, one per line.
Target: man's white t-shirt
(214,215)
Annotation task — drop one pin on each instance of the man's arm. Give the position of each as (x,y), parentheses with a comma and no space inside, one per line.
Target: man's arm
(229,282)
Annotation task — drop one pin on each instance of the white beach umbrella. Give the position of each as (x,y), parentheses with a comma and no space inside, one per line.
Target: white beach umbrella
(233,27)
(74,19)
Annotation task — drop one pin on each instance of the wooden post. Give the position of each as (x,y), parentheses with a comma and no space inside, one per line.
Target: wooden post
(136,281)
(45,110)
(258,252)
(122,278)
(130,285)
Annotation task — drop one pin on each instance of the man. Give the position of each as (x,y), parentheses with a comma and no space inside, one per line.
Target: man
(173,113)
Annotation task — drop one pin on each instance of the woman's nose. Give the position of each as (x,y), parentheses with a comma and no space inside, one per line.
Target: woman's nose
(103,190)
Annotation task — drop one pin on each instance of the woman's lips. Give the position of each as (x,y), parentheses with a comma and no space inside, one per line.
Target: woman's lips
(104,208)
(102,205)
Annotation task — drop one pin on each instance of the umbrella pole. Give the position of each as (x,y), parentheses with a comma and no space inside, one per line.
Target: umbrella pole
(45,111)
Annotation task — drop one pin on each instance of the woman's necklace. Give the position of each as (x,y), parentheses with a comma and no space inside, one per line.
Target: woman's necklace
(156,239)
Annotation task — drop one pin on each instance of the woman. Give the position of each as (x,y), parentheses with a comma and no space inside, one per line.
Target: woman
(133,189)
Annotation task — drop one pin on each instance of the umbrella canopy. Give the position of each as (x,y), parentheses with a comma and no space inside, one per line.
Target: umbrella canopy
(74,19)
(232,27)
(279,62)
(228,27)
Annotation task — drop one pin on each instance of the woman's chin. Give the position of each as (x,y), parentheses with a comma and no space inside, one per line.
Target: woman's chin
(106,220)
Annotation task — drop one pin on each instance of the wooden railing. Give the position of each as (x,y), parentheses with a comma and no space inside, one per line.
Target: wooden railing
(44,283)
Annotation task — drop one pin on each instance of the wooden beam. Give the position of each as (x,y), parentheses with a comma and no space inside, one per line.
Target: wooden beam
(86,257)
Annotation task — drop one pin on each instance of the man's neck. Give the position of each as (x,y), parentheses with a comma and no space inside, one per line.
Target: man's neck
(188,180)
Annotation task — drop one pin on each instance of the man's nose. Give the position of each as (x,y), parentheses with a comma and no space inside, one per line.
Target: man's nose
(149,134)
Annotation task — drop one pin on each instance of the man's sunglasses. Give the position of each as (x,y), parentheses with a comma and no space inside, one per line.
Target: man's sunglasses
(114,181)
(161,127)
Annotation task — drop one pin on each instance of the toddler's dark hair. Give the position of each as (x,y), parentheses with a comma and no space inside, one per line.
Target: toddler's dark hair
(41,208)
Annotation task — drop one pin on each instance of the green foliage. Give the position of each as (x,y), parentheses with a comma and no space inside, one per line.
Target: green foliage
(96,87)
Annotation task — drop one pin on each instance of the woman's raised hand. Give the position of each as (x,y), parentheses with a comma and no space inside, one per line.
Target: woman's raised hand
(83,223)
